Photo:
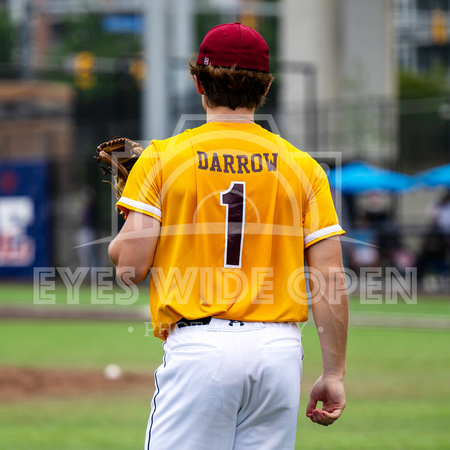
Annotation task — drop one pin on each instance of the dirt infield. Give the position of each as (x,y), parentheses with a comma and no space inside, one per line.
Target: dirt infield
(50,312)
(25,383)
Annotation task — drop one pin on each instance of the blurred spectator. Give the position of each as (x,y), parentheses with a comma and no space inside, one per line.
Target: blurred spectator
(441,214)
(365,253)
(376,205)
(376,227)
(87,256)
(435,252)
(393,252)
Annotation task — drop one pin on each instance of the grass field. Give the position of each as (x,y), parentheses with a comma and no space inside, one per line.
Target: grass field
(397,388)
(397,384)
(25,295)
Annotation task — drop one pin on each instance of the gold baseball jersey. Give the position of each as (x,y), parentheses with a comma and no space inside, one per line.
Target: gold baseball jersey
(237,205)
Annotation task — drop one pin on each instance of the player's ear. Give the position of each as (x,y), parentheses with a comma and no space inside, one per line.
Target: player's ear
(268,87)
(199,86)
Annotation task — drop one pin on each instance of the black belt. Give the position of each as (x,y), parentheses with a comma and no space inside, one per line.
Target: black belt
(187,323)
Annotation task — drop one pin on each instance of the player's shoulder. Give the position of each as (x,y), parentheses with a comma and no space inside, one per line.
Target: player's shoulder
(165,144)
(296,156)
(172,144)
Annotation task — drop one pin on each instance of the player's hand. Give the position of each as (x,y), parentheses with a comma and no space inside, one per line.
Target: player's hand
(330,391)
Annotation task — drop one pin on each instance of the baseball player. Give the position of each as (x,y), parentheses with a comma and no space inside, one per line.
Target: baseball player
(224,217)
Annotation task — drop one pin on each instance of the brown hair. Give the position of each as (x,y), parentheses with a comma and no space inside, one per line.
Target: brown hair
(232,87)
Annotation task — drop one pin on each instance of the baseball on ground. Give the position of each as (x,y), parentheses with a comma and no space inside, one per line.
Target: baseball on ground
(112,372)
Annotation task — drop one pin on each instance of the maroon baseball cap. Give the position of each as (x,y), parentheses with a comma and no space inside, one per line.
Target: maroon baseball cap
(234,44)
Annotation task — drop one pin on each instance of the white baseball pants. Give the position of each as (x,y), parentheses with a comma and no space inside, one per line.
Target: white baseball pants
(227,385)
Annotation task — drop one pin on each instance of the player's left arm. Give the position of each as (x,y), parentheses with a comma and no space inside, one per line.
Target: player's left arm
(133,249)
(330,310)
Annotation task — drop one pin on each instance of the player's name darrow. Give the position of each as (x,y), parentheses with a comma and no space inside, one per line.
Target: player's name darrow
(228,163)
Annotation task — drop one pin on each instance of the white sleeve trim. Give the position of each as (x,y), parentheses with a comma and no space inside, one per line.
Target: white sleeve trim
(321,233)
(140,205)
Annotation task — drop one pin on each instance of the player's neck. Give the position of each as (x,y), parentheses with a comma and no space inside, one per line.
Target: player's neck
(224,114)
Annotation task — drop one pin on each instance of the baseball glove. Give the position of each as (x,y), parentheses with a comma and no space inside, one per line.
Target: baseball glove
(118,165)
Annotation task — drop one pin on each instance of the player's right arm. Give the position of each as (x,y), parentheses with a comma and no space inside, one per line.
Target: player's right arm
(133,249)
(330,311)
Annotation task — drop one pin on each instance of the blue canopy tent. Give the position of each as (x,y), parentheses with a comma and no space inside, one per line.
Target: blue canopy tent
(437,176)
(358,177)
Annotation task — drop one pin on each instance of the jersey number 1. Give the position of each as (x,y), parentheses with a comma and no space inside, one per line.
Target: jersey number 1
(234,199)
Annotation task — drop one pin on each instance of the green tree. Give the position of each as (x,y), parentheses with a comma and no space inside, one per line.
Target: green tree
(424,128)
(416,85)
(84,32)
(114,96)
(7,42)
